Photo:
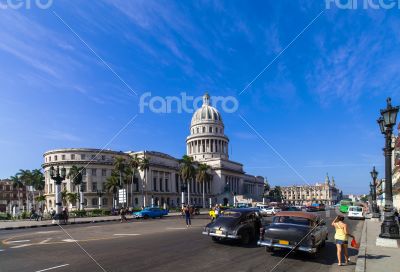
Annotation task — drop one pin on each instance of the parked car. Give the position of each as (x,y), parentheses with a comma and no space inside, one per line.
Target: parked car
(239,224)
(150,213)
(299,231)
(356,212)
(291,209)
(272,210)
(315,207)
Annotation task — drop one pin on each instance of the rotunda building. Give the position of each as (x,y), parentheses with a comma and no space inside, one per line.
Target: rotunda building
(207,139)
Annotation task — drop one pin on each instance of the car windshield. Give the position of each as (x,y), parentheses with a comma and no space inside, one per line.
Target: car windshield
(231,214)
(292,220)
(355,209)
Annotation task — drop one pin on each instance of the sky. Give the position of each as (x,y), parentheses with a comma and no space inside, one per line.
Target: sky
(308,80)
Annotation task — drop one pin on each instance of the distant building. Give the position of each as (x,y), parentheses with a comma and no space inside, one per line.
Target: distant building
(325,193)
(396,171)
(207,143)
(9,196)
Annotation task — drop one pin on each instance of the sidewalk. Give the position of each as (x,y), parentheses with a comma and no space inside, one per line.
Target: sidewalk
(375,258)
(23,224)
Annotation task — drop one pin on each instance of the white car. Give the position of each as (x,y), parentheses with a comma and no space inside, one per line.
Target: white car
(356,212)
(272,210)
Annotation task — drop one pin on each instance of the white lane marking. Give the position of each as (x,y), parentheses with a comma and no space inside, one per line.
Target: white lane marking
(48,231)
(50,268)
(24,245)
(176,228)
(19,241)
(1,250)
(69,240)
(126,234)
(45,241)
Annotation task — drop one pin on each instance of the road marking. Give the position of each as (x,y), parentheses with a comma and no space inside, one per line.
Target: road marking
(51,268)
(69,240)
(45,241)
(24,245)
(49,231)
(19,241)
(1,250)
(126,234)
(177,228)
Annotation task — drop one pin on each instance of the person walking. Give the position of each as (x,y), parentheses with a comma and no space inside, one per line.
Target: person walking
(39,215)
(123,215)
(186,211)
(65,215)
(33,214)
(341,238)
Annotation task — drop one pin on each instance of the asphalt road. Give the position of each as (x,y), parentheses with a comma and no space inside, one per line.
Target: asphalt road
(151,245)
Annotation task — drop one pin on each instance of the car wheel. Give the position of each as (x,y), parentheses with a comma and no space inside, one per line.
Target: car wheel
(269,249)
(245,238)
(161,216)
(146,216)
(315,254)
(215,239)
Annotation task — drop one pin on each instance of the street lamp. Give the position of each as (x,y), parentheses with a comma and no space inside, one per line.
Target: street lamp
(389,227)
(374,175)
(100,194)
(58,178)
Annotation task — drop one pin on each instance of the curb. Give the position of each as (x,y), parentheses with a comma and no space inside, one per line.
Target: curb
(71,223)
(362,252)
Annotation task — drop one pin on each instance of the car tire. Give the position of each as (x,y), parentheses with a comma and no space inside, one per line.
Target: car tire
(215,239)
(245,237)
(269,249)
(146,216)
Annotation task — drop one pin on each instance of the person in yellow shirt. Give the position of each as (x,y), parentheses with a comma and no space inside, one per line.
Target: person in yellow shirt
(341,238)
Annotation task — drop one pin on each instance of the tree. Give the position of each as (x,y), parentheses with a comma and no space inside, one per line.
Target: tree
(187,172)
(144,166)
(203,176)
(112,186)
(75,175)
(17,184)
(38,180)
(133,166)
(27,179)
(120,167)
(276,194)
(41,199)
(72,198)
(64,195)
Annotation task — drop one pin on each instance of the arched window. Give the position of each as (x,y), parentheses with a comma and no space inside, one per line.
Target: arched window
(210,129)
(204,129)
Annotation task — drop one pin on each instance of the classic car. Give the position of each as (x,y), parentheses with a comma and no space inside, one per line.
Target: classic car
(315,207)
(151,212)
(272,210)
(356,212)
(240,224)
(298,231)
(291,209)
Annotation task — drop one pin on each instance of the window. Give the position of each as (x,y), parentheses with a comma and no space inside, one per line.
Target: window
(197,130)
(62,157)
(94,170)
(105,201)
(85,202)
(136,201)
(83,187)
(55,157)
(95,201)
(93,156)
(210,129)
(49,158)
(104,172)
(83,172)
(72,156)
(83,157)
(103,157)
(161,185)
(154,184)
(94,186)
(166,185)
(176,183)
(204,129)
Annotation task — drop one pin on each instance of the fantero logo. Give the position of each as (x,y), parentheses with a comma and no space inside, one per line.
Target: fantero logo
(25,4)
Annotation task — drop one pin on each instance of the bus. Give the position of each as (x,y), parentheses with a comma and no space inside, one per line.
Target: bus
(344,205)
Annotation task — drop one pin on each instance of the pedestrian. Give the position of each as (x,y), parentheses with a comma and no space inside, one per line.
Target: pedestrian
(186,211)
(123,214)
(52,213)
(217,210)
(33,214)
(65,215)
(341,238)
(39,215)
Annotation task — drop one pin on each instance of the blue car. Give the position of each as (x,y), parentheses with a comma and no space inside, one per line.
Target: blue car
(150,213)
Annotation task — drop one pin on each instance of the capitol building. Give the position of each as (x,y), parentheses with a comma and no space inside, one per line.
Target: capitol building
(162,185)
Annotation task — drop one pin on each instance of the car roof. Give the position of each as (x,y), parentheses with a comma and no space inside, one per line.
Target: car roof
(242,210)
(298,214)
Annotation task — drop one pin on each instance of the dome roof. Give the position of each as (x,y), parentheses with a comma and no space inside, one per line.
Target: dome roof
(206,113)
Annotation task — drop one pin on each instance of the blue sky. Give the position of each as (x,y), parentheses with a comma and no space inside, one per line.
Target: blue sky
(317,104)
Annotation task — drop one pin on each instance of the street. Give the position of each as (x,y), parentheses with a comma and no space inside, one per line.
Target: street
(151,245)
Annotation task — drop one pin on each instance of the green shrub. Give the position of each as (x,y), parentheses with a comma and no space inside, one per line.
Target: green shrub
(78,213)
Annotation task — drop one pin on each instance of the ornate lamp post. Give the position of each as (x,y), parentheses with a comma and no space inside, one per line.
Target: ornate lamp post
(100,194)
(375,210)
(389,227)
(58,177)
(183,191)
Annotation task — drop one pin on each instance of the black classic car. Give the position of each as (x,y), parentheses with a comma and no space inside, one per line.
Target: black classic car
(240,224)
(299,231)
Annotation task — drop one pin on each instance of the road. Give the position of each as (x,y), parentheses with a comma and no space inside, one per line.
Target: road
(151,245)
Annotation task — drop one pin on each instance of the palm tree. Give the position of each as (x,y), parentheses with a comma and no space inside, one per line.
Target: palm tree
(112,185)
(38,183)
(27,179)
(41,199)
(187,172)
(75,174)
(203,176)
(144,166)
(134,164)
(18,184)
(72,198)
(120,168)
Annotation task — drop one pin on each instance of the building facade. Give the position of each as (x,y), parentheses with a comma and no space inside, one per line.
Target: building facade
(396,171)
(325,193)
(11,197)
(160,184)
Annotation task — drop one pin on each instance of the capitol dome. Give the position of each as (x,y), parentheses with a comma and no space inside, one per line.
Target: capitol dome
(207,139)
(206,113)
